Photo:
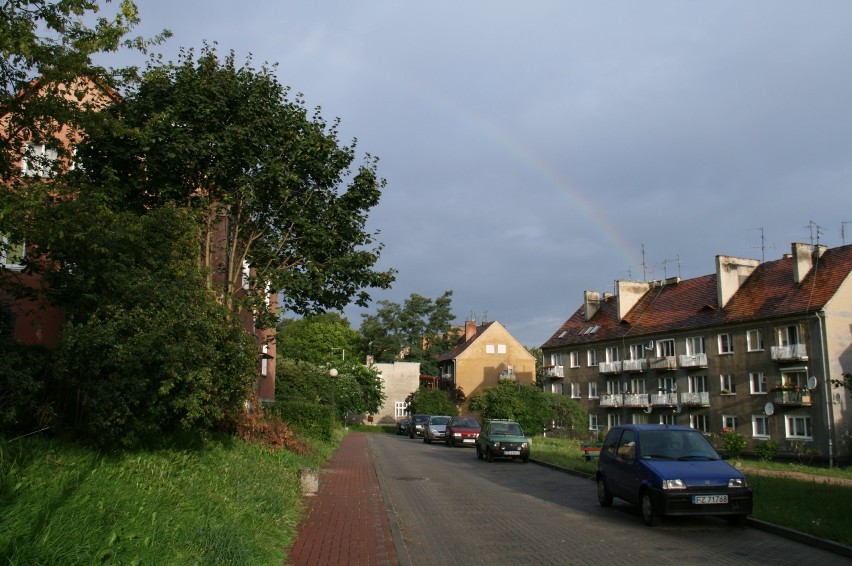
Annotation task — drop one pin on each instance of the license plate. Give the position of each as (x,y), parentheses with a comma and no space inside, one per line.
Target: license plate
(512,452)
(470,440)
(709,499)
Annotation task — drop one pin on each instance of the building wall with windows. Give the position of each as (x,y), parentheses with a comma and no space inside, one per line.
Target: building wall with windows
(399,379)
(761,362)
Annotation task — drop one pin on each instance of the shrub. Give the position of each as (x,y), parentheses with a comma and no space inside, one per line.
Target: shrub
(311,419)
(733,442)
(767,450)
(432,402)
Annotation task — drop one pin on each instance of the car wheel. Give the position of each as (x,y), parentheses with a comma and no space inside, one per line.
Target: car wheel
(478,452)
(649,511)
(604,495)
(488,454)
(736,520)
(525,459)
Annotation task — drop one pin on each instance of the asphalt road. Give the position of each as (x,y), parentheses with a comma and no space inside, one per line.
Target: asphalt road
(448,507)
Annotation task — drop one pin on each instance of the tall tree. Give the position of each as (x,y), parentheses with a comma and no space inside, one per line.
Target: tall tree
(273,187)
(420,330)
(319,339)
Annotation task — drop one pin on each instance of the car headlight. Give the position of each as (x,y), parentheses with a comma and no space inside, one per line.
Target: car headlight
(524,446)
(456,434)
(496,445)
(737,482)
(674,484)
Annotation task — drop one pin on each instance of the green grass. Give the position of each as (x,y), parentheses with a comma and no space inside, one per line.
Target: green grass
(805,505)
(218,501)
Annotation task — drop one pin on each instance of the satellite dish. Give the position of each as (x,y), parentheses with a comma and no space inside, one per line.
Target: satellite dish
(678,409)
(649,409)
(812,382)
(769,409)
(650,345)
(674,387)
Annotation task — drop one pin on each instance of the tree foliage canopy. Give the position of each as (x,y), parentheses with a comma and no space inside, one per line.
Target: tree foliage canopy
(420,330)
(431,402)
(526,404)
(319,339)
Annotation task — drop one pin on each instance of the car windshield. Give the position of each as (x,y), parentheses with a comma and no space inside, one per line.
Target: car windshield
(675,445)
(439,420)
(421,418)
(508,429)
(466,423)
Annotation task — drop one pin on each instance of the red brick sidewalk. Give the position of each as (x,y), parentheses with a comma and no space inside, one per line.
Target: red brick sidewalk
(346,522)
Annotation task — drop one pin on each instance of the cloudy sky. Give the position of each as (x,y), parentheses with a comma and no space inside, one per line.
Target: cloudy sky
(534,150)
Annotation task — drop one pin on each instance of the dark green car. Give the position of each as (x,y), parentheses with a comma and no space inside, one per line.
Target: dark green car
(502,439)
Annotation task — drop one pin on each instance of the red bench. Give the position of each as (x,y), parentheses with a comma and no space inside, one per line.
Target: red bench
(591,450)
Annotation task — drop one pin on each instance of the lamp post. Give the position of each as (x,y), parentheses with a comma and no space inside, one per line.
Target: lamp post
(332,373)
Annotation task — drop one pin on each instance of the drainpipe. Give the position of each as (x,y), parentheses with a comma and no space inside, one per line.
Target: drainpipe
(826,386)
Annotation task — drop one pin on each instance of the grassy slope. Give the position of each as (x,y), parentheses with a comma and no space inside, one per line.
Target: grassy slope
(221,501)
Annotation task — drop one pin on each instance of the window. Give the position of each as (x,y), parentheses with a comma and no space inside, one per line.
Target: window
(697,383)
(593,390)
(11,254)
(575,390)
(754,340)
(727,384)
(400,409)
(640,418)
(758,382)
(556,360)
(695,345)
(726,344)
(666,384)
(501,348)
(613,386)
(594,423)
(489,348)
(264,360)
(787,335)
(700,422)
(794,377)
(591,358)
(637,386)
(612,354)
(760,426)
(38,161)
(637,351)
(667,419)
(574,358)
(665,348)
(729,422)
(799,427)
(556,387)
(613,419)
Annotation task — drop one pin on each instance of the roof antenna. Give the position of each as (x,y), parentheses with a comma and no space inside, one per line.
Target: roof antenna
(644,265)
(843,231)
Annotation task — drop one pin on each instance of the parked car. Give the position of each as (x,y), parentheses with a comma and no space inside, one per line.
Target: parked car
(415,425)
(402,426)
(435,428)
(502,439)
(669,470)
(462,431)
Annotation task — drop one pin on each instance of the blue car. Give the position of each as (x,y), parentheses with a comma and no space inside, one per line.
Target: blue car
(670,470)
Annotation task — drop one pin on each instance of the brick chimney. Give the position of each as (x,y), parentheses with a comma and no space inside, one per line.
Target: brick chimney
(731,273)
(469,330)
(629,293)
(591,303)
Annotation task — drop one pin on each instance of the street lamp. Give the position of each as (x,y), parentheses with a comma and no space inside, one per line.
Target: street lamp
(332,373)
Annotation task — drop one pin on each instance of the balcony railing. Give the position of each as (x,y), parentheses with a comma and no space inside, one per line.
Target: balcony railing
(700,399)
(663,399)
(612,400)
(554,372)
(635,399)
(664,363)
(609,367)
(800,397)
(693,361)
(791,353)
(635,365)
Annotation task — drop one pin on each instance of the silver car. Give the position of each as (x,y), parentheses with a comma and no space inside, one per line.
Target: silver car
(435,428)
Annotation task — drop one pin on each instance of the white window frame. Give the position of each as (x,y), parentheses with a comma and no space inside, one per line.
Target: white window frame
(637,352)
(38,161)
(613,419)
(501,348)
(665,348)
(760,426)
(788,335)
(754,340)
(697,383)
(640,417)
(613,386)
(725,341)
(575,390)
(667,418)
(729,421)
(593,390)
(695,345)
(700,422)
(757,382)
(15,249)
(638,385)
(726,381)
(794,377)
(666,384)
(489,348)
(574,359)
(612,354)
(400,409)
(594,422)
(793,422)
(591,358)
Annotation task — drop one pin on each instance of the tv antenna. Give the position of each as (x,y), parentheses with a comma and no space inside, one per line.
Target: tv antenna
(843,231)
(666,263)
(814,227)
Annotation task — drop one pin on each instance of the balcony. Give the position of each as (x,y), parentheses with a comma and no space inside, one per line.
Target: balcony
(635,366)
(636,400)
(664,363)
(700,399)
(554,372)
(612,400)
(609,367)
(791,353)
(793,396)
(663,399)
(692,361)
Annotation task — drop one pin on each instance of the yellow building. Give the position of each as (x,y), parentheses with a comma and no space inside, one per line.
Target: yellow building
(483,356)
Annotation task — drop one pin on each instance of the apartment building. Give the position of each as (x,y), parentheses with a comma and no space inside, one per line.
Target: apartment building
(753,347)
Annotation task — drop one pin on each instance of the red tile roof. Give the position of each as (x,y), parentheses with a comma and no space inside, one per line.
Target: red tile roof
(462,345)
(769,292)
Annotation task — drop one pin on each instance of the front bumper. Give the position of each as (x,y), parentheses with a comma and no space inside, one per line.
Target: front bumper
(680,502)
